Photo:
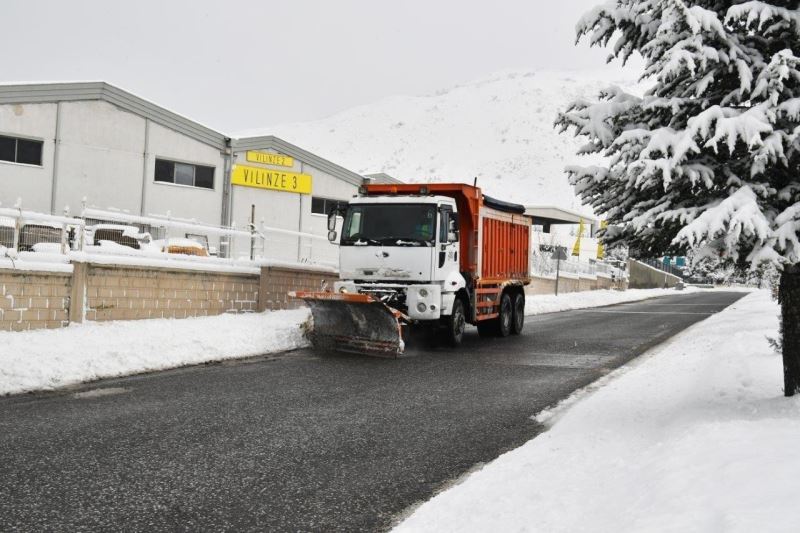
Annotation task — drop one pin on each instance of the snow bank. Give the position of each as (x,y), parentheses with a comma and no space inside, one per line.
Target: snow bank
(550,303)
(48,359)
(695,437)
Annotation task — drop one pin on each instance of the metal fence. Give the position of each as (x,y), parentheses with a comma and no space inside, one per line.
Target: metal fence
(118,233)
(543,264)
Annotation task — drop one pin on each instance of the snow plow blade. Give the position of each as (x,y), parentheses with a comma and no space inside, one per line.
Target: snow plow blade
(354,323)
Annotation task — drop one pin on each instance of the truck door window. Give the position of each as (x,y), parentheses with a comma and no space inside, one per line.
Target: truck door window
(354,224)
(444,224)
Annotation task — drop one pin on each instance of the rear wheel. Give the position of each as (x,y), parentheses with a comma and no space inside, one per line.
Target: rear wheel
(518,319)
(455,324)
(500,326)
(506,316)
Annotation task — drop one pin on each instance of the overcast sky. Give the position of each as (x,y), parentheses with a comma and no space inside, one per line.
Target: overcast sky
(241,64)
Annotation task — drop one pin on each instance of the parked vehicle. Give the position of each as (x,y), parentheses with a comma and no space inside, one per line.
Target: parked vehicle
(423,255)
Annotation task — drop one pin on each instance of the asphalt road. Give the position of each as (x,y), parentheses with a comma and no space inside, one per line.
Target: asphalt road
(305,441)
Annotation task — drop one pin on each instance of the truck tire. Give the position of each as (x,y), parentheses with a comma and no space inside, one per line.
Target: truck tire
(454,324)
(506,317)
(500,326)
(518,320)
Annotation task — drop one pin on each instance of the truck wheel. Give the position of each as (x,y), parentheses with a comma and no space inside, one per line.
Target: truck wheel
(506,315)
(519,314)
(455,324)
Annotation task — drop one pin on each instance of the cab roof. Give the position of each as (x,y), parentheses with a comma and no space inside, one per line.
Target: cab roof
(405,199)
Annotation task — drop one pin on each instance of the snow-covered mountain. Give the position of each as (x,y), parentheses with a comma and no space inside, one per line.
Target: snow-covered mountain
(498,129)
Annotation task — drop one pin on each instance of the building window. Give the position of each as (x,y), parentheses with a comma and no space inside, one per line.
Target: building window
(16,150)
(323,206)
(184,174)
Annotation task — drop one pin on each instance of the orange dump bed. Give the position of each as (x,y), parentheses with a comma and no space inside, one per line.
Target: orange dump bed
(495,244)
(505,246)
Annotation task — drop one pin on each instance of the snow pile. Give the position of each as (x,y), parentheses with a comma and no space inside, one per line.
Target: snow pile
(48,359)
(550,303)
(498,129)
(695,437)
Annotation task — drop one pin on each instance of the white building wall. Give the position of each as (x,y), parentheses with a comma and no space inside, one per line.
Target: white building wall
(182,201)
(291,211)
(31,183)
(100,157)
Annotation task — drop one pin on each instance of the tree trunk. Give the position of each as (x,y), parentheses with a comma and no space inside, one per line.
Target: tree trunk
(789,298)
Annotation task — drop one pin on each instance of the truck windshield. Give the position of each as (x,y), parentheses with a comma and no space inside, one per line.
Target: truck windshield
(389,225)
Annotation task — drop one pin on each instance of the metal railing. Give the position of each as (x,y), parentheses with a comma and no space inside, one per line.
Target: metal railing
(110,232)
(659,264)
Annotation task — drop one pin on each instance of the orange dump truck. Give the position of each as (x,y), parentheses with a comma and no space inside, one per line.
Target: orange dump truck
(422,255)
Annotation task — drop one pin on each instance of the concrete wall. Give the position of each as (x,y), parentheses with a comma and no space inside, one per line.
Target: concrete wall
(541,286)
(644,276)
(100,157)
(286,210)
(106,155)
(31,183)
(182,201)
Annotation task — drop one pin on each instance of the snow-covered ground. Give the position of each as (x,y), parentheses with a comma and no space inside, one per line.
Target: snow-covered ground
(694,436)
(53,358)
(49,359)
(550,303)
(498,129)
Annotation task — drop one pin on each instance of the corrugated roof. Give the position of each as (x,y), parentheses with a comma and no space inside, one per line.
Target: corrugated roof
(53,92)
(32,93)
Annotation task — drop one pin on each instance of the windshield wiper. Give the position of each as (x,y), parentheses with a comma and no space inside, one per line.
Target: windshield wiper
(405,241)
(361,241)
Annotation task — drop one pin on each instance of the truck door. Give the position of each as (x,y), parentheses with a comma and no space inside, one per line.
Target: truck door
(446,256)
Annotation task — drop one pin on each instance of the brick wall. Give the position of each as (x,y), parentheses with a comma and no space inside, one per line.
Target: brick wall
(30,300)
(121,293)
(33,300)
(276,282)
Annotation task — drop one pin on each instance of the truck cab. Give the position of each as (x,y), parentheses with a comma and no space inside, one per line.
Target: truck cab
(438,255)
(403,250)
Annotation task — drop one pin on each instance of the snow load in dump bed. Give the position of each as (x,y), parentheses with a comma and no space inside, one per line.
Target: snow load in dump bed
(500,205)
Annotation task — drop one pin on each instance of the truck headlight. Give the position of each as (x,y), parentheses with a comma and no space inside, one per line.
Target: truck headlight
(423,292)
(421,307)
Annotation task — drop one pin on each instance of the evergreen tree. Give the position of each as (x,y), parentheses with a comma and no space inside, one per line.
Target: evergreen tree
(708,159)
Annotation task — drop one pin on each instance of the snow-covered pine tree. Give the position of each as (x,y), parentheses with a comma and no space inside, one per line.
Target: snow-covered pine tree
(709,158)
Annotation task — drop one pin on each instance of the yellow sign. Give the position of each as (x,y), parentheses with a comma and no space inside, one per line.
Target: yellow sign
(266,158)
(601,250)
(265,178)
(576,250)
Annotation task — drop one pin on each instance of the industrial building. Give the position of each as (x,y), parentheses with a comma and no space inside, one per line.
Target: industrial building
(66,145)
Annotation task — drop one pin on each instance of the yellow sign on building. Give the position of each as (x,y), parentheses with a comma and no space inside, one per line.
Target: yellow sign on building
(266,178)
(266,158)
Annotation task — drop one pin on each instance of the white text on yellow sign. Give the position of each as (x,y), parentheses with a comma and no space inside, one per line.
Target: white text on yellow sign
(265,178)
(266,158)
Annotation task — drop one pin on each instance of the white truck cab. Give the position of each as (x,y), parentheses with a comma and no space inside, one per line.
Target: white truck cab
(403,249)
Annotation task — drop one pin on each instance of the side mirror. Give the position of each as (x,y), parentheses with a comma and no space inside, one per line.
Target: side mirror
(332,220)
(332,235)
(452,231)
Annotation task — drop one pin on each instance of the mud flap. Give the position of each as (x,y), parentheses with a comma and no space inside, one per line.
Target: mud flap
(355,323)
